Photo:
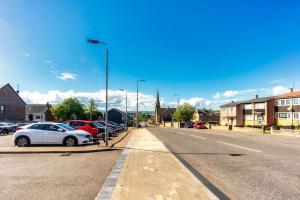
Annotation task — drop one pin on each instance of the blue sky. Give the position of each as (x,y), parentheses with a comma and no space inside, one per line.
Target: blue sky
(209,52)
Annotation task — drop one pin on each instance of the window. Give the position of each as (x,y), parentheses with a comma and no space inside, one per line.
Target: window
(51,127)
(248,106)
(37,117)
(296,101)
(37,126)
(283,115)
(2,109)
(283,102)
(296,115)
(260,106)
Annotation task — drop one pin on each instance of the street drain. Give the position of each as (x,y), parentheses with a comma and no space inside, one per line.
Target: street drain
(65,154)
(236,154)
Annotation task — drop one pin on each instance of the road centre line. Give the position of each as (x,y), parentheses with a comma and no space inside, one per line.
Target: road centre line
(199,137)
(241,147)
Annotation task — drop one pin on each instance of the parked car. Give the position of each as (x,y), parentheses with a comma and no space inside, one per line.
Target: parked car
(143,125)
(8,127)
(111,129)
(199,125)
(85,125)
(188,125)
(50,133)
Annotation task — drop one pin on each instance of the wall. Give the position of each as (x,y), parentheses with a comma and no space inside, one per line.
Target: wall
(14,106)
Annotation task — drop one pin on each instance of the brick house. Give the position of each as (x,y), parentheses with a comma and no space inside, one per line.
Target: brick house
(206,116)
(232,114)
(287,109)
(163,114)
(12,107)
(259,112)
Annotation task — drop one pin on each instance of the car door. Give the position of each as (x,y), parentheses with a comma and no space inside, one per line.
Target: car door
(52,134)
(35,133)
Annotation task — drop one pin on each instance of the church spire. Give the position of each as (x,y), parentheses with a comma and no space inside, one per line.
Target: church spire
(157,104)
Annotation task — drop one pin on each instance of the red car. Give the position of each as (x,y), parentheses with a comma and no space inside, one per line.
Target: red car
(199,126)
(85,125)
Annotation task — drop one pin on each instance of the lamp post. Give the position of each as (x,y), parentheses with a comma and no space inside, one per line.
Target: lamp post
(137,102)
(126,116)
(106,86)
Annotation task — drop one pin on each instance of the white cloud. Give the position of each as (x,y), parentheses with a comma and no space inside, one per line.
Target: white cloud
(233,93)
(24,54)
(277,81)
(67,76)
(48,61)
(116,98)
(277,90)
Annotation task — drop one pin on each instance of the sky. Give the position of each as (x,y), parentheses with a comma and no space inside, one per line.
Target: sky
(209,52)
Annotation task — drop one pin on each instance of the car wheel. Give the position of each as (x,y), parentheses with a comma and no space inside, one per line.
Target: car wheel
(6,131)
(23,141)
(70,142)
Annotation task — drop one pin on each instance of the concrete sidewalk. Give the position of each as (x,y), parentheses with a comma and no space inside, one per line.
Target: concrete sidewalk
(150,171)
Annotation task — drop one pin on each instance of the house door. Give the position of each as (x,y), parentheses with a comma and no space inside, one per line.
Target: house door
(260,120)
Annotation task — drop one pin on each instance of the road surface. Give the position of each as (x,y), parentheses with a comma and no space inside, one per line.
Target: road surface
(239,165)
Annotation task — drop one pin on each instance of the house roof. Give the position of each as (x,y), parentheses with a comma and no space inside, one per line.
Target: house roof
(290,94)
(259,100)
(166,111)
(11,88)
(115,110)
(36,108)
(231,104)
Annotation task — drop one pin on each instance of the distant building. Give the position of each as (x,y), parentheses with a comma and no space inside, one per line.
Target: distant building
(232,114)
(12,107)
(259,112)
(38,112)
(206,116)
(288,109)
(163,114)
(116,116)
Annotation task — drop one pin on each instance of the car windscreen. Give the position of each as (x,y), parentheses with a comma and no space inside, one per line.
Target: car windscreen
(67,127)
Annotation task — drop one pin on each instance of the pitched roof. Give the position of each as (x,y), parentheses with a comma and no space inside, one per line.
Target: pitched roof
(290,94)
(36,108)
(259,100)
(165,111)
(12,89)
(231,104)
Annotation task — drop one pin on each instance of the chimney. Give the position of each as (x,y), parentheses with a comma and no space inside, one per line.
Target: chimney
(256,96)
(232,101)
(291,90)
(18,90)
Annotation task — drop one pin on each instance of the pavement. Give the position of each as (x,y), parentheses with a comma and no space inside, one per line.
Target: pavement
(151,171)
(6,146)
(238,165)
(55,176)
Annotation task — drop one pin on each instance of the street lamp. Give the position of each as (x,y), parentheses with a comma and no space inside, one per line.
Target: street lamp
(126,116)
(106,85)
(137,102)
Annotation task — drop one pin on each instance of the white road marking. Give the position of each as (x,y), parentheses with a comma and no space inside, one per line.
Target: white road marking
(199,137)
(241,147)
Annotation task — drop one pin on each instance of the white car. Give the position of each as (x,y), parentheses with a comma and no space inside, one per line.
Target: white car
(50,133)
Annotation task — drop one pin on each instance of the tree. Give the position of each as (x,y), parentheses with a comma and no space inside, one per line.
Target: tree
(70,108)
(184,113)
(92,112)
(144,117)
(48,114)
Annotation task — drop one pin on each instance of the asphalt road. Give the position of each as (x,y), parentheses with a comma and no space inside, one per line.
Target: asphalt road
(55,176)
(240,165)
